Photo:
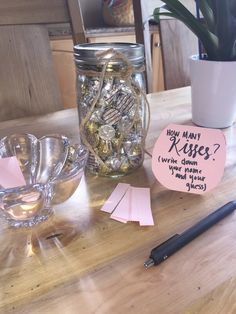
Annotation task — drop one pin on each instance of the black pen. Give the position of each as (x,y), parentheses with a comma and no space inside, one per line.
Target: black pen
(176,242)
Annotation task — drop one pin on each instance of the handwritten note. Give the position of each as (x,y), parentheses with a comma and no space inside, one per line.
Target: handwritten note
(189,159)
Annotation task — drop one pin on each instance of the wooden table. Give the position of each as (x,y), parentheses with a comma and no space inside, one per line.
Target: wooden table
(96,266)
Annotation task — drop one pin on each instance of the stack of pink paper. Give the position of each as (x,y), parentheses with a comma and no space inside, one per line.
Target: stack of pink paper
(128,203)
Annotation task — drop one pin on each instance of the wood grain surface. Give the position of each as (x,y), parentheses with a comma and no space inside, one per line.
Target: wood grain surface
(33,12)
(28,80)
(177,43)
(95,264)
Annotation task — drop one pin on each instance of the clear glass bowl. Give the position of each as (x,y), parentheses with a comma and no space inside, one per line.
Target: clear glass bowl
(52,168)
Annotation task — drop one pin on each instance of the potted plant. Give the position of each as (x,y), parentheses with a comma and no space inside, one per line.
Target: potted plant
(213,73)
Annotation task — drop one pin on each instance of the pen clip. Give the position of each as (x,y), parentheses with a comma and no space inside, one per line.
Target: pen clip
(167,242)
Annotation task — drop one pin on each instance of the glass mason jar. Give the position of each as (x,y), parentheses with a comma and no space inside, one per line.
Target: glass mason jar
(111,105)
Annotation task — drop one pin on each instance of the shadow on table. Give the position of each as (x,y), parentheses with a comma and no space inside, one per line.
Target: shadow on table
(24,243)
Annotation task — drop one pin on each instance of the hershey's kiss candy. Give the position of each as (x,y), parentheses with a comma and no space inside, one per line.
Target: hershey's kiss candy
(125,166)
(92,161)
(139,128)
(96,116)
(125,102)
(104,170)
(106,132)
(135,150)
(94,82)
(91,126)
(111,116)
(93,139)
(83,89)
(104,149)
(125,124)
(112,97)
(127,145)
(113,163)
(136,161)
(116,142)
(83,109)
(108,85)
(101,103)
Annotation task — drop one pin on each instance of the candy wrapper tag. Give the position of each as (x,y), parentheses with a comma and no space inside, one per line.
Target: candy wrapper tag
(189,159)
(10,173)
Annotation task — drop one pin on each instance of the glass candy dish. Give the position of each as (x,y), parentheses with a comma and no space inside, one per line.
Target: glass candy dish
(52,168)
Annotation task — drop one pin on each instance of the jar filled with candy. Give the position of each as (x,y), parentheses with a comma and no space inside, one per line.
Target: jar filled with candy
(112,106)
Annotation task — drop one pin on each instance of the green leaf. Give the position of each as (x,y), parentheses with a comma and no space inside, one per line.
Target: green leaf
(207,12)
(225,12)
(157,13)
(208,39)
(217,32)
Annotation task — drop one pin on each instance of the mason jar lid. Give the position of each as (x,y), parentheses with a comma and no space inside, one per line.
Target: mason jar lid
(86,53)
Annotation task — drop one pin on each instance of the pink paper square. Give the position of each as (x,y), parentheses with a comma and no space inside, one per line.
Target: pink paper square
(115,197)
(141,206)
(122,211)
(10,173)
(119,219)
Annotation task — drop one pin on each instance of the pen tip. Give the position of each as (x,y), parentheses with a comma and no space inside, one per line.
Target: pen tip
(149,263)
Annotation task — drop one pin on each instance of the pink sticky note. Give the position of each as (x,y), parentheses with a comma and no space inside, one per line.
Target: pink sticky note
(189,159)
(115,197)
(122,211)
(141,206)
(10,173)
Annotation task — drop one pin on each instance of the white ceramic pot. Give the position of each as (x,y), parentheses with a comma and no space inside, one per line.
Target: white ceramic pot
(213,88)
